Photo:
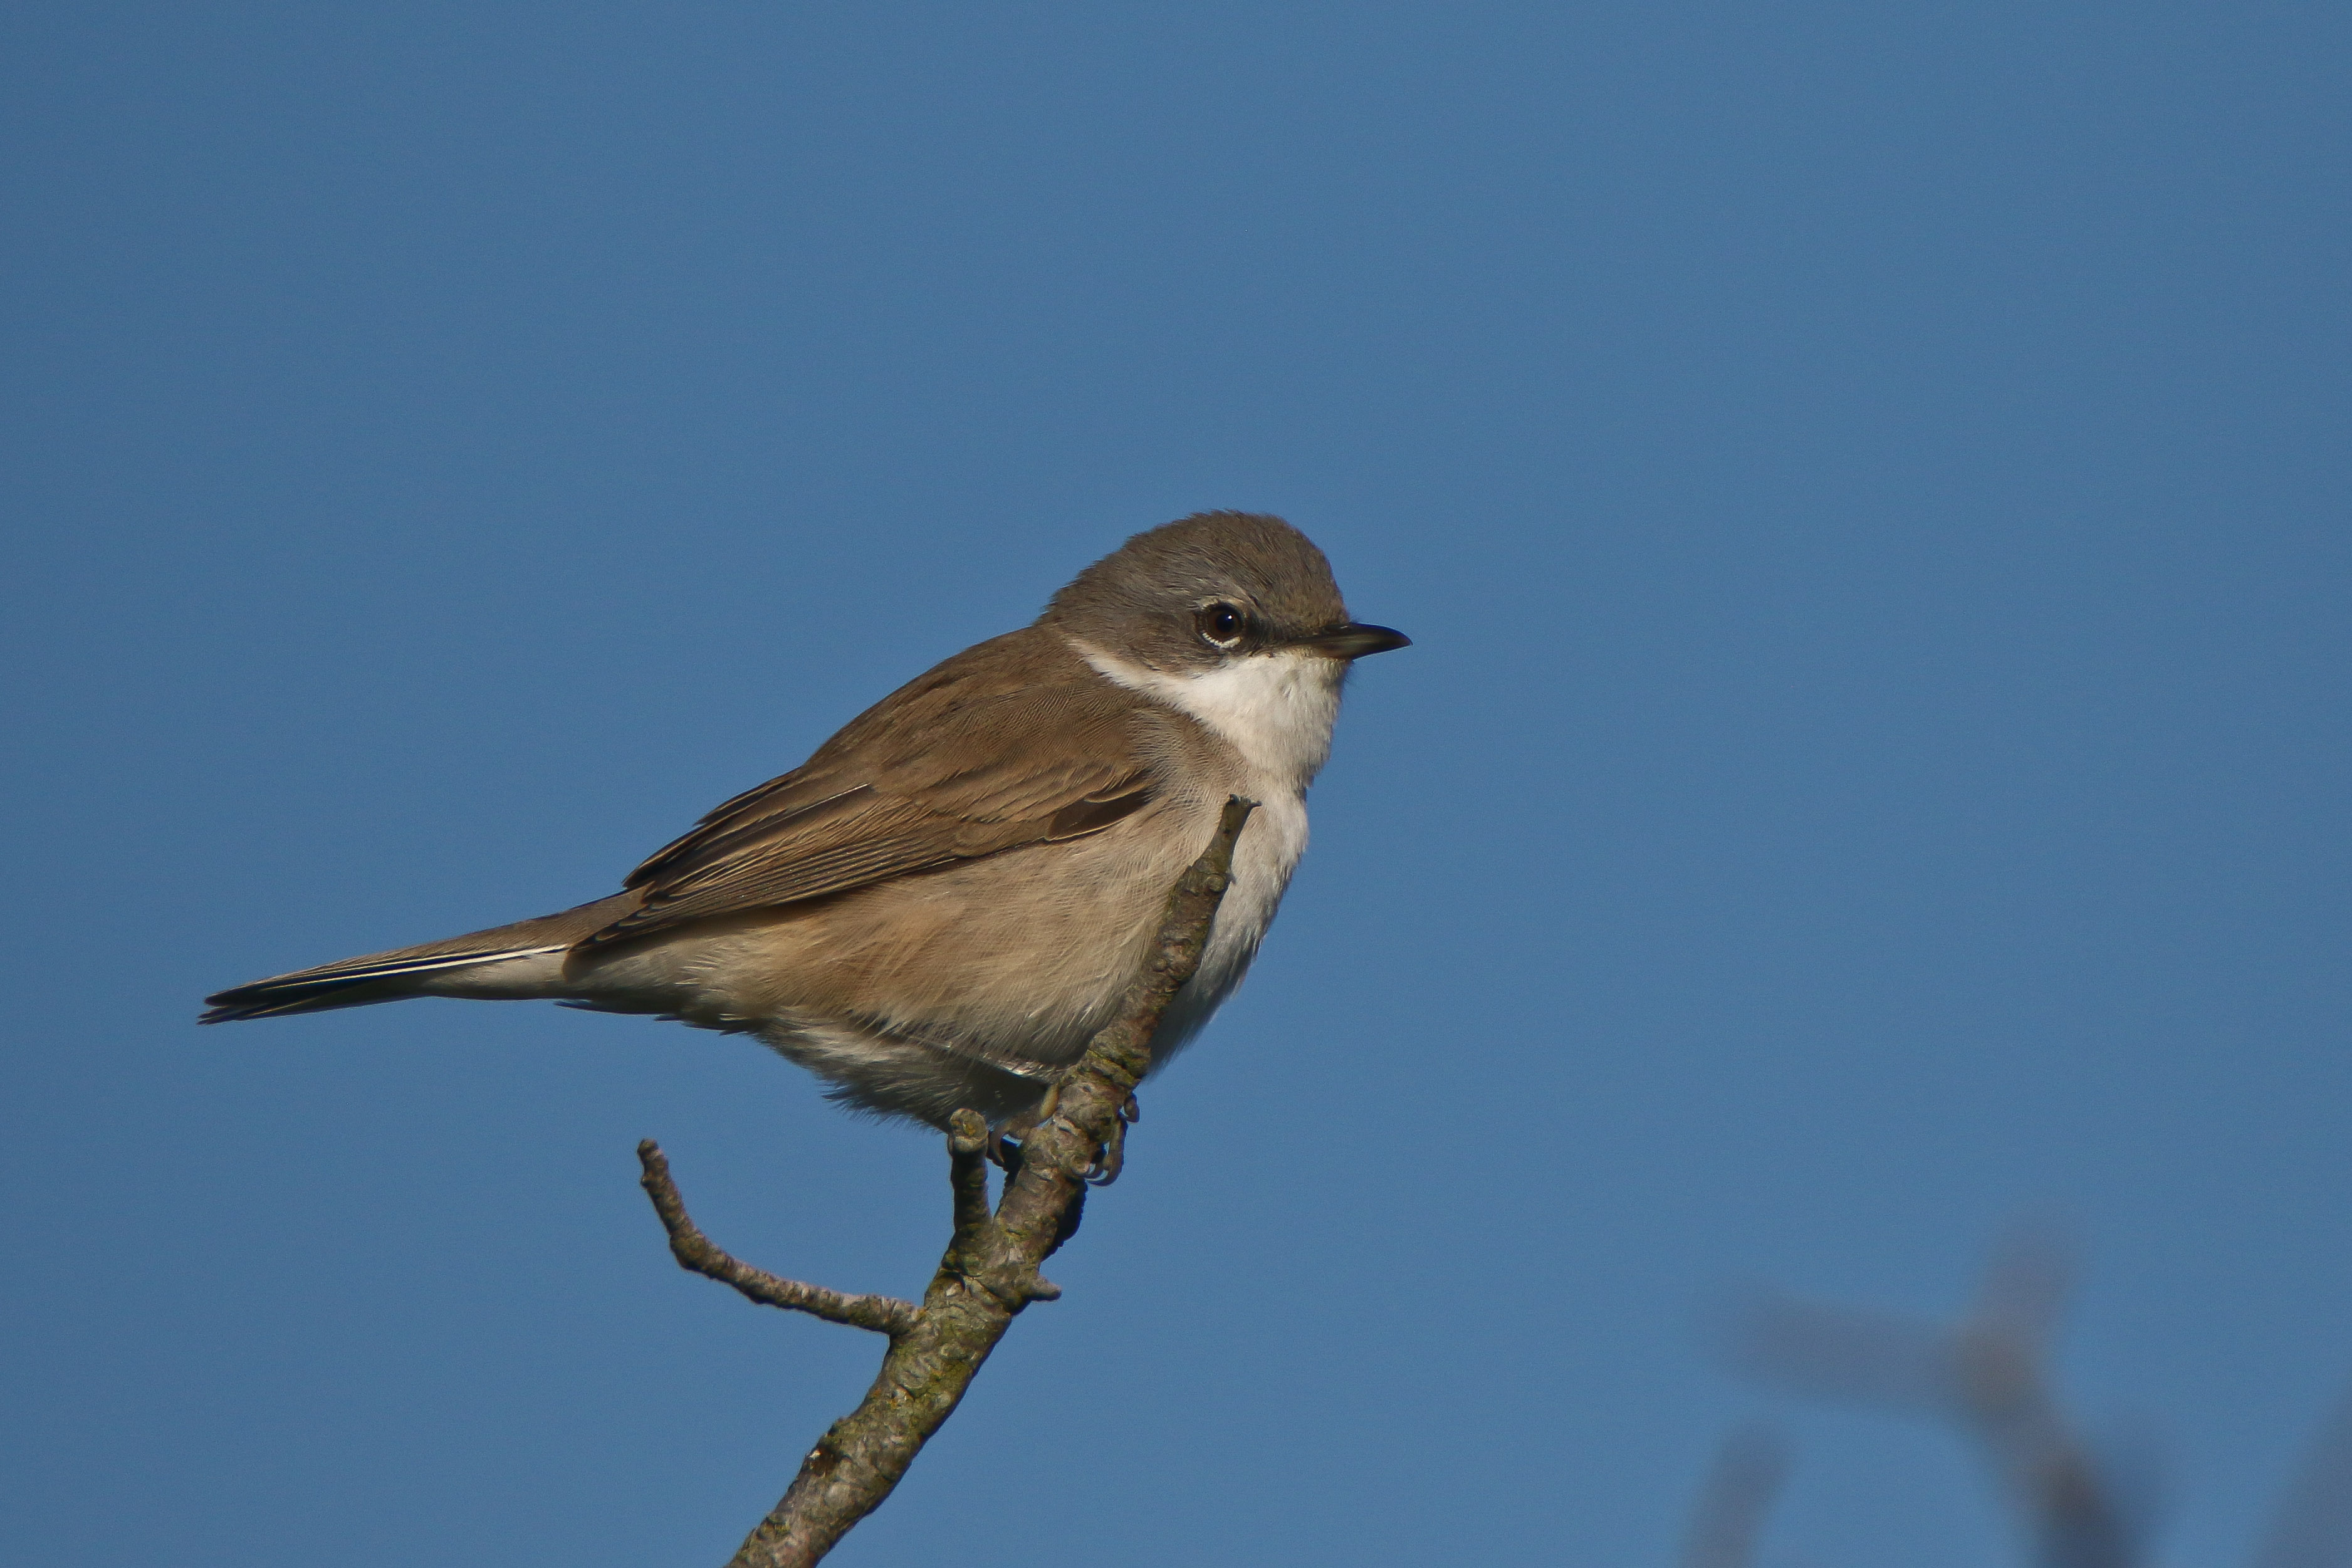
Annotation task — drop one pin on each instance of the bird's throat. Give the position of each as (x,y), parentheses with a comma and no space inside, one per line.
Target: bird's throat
(1275,708)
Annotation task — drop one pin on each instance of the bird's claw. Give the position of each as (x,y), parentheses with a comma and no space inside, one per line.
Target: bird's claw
(1111,1160)
(1003,1147)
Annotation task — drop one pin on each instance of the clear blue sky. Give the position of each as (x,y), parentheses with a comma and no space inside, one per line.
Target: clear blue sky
(1869,486)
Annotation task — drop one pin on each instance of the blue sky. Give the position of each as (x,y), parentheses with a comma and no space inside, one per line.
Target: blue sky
(1868,485)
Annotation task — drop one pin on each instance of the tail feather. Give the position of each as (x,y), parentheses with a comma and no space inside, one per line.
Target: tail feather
(410,971)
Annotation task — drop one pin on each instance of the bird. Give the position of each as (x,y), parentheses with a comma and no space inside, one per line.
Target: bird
(941,907)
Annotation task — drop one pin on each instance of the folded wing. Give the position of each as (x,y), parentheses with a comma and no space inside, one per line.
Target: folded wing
(952,768)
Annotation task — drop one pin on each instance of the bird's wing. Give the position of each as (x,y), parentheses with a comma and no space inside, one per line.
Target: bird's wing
(940,771)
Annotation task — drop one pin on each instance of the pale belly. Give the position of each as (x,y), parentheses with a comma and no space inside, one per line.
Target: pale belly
(968,986)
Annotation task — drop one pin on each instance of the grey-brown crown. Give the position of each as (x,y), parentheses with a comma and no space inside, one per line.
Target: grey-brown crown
(1144,598)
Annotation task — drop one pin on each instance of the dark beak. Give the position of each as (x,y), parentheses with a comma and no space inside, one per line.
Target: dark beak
(1354,640)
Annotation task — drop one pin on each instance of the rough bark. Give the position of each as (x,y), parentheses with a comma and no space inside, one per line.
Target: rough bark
(989,1270)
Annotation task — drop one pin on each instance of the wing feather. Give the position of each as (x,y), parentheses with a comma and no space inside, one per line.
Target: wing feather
(963,763)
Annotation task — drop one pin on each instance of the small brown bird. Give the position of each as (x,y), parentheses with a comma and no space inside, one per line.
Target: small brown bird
(941,907)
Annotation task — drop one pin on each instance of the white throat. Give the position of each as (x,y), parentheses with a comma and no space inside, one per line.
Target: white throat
(1275,708)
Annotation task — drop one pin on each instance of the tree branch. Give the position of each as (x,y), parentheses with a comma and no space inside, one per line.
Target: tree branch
(694,1251)
(989,1271)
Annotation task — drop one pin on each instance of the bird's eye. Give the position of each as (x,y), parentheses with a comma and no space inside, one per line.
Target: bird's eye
(1220,624)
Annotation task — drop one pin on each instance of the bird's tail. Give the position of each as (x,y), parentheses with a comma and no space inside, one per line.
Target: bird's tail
(518,963)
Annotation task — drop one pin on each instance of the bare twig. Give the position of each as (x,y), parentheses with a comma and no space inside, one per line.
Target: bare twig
(694,1251)
(989,1272)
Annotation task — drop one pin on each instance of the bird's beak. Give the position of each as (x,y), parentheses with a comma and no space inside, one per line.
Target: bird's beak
(1354,640)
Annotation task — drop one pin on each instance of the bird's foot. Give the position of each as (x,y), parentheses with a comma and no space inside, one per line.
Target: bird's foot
(1006,1138)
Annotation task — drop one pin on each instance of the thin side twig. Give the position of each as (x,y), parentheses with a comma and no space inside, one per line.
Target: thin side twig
(989,1273)
(694,1251)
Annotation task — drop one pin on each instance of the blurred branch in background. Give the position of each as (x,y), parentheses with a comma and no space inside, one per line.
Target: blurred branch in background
(1987,1375)
(1727,1522)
